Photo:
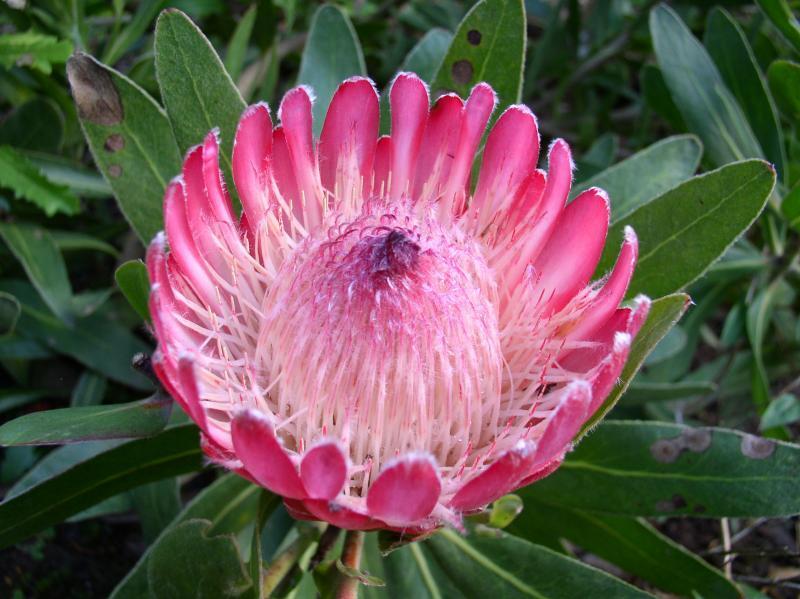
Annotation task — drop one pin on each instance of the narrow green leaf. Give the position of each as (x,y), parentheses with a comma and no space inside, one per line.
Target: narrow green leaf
(58,461)
(661,469)
(89,423)
(198,93)
(9,314)
(237,47)
(37,252)
(506,566)
(228,496)
(89,391)
(656,95)
(27,181)
(72,240)
(784,82)
(32,49)
(783,410)
(489,46)
(631,544)
(684,231)
(130,138)
(728,47)
(759,317)
(667,162)
(175,451)
(642,392)
(332,54)
(119,44)
(186,556)
(781,15)
(62,459)
(62,171)
(98,341)
(132,280)
(664,313)
(697,88)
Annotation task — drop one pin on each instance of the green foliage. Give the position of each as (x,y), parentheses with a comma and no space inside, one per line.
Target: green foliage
(29,183)
(489,45)
(34,50)
(645,106)
(684,231)
(659,469)
(130,139)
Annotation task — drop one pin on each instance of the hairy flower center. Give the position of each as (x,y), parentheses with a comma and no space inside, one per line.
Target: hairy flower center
(384,333)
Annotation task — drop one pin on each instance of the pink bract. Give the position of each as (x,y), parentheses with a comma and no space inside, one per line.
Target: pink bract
(370,340)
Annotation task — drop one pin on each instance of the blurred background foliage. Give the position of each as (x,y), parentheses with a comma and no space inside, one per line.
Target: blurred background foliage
(647,96)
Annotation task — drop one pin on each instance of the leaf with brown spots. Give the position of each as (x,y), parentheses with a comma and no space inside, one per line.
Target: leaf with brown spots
(130,138)
(488,46)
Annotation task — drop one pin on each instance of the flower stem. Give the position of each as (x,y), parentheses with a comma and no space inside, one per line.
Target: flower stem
(283,565)
(351,557)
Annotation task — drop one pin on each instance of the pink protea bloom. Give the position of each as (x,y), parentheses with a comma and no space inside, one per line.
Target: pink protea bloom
(371,341)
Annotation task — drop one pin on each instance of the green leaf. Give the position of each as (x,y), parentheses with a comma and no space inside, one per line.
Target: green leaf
(780,14)
(684,231)
(89,391)
(9,314)
(656,95)
(130,138)
(728,47)
(784,82)
(157,504)
(759,317)
(790,207)
(58,461)
(71,240)
(198,93)
(28,182)
(35,50)
(80,180)
(631,544)
(332,54)
(237,47)
(119,44)
(660,469)
(229,503)
(697,88)
(36,125)
(427,55)
(187,562)
(175,451)
(98,341)
(642,392)
(506,566)
(664,313)
(667,162)
(489,46)
(37,252)
(89,423)
(783,410)
(132,280)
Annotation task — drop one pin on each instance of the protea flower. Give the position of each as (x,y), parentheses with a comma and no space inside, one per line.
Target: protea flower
(370,340)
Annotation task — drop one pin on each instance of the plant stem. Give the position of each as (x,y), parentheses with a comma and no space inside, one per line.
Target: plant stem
(351,557)
(282,565)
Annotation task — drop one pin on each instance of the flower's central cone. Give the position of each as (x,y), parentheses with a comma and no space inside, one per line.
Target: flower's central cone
(385,335)
(394,254)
